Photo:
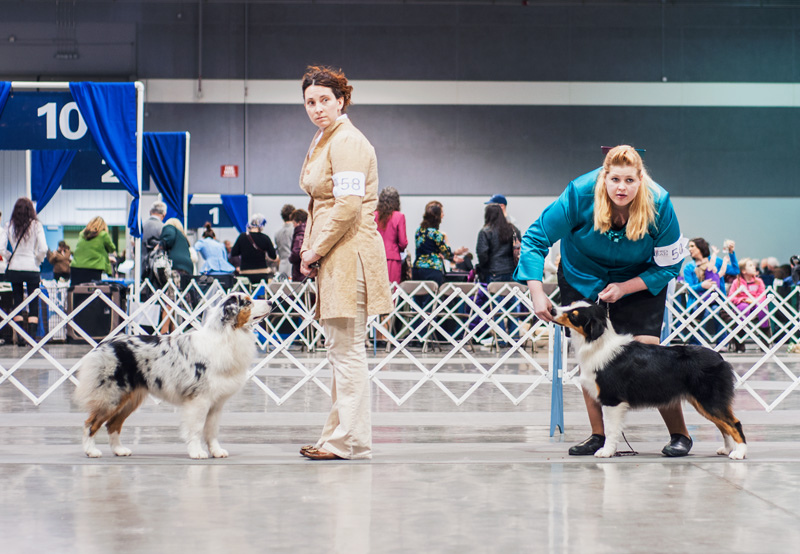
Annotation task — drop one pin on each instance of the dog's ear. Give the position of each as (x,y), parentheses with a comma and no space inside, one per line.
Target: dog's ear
(595,324)
(229,309)
(594,328)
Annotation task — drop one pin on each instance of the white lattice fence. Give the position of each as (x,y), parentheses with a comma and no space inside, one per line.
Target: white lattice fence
(459,338)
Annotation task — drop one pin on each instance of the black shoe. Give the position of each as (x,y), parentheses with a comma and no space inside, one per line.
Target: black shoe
(589,446)
(678,446)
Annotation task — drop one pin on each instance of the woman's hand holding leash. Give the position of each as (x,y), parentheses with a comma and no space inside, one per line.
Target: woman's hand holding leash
(612,293)
(541,303)
(615,291)
(309,263)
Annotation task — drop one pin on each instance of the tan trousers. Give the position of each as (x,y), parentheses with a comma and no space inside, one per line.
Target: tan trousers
(348,430)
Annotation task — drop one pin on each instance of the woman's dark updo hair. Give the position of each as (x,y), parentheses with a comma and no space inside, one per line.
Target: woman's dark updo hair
(334,79)
(702,246)
(432,217)
(209,232)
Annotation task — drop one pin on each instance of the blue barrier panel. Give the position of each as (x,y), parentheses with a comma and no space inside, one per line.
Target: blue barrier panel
(557,392)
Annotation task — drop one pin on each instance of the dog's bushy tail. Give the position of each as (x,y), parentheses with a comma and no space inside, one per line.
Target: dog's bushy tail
(91,372)
(712,382)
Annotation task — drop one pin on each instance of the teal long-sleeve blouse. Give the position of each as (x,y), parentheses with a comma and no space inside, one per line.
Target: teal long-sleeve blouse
(591,260)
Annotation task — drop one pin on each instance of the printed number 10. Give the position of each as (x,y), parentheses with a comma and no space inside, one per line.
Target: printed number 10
(49,110)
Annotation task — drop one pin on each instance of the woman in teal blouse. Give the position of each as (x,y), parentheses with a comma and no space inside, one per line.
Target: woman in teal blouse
(620,245)
(431,246)
(90,258)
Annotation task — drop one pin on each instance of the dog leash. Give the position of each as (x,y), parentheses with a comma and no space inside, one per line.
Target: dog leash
(608,307)
(314,265)
(630,452)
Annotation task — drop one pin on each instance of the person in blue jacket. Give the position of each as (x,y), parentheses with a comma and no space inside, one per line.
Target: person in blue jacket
(620,245)
(214,253)
(700,252)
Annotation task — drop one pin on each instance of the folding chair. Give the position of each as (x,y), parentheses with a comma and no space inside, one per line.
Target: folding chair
(457,315)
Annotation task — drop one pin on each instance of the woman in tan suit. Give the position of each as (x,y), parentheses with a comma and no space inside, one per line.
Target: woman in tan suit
(343,250)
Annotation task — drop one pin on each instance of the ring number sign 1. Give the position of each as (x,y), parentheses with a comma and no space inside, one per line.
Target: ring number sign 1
(64,125)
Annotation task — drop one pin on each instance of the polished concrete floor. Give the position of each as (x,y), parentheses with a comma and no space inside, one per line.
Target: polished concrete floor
(481,477)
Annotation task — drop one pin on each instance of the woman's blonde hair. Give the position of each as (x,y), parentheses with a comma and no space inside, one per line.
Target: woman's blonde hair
(96,226)
(175,222)
(642,208)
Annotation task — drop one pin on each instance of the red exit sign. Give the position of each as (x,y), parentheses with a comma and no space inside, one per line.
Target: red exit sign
(229,171)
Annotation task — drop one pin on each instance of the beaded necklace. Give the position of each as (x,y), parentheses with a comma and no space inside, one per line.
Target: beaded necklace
(615,235)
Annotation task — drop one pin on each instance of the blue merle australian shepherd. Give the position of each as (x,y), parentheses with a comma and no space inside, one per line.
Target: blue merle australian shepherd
(622,373)
(198,370)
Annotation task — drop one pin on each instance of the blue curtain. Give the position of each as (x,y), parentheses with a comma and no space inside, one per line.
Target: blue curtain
(48,168)
(236,206)
(165,158)
(5,90)
(109,110)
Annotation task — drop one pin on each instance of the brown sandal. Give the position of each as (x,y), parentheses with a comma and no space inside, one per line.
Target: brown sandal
(317,454)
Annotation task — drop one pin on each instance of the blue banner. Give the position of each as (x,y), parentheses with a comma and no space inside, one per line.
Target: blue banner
(237,207)
(109,110)
(5,90)
(43,121)
(47,169)
(165,157)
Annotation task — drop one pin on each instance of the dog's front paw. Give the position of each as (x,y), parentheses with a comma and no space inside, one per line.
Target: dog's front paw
(122,451)
(198,454)
(219,452)
(94,453)
(605,452)
(723,450)
(738,453)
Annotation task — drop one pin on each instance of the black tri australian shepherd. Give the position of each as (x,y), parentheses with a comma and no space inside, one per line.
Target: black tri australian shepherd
(198,371)
(622,373)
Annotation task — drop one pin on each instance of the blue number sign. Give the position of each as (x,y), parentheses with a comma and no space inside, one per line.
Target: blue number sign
(43,121)
(215,214)
(89,171)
